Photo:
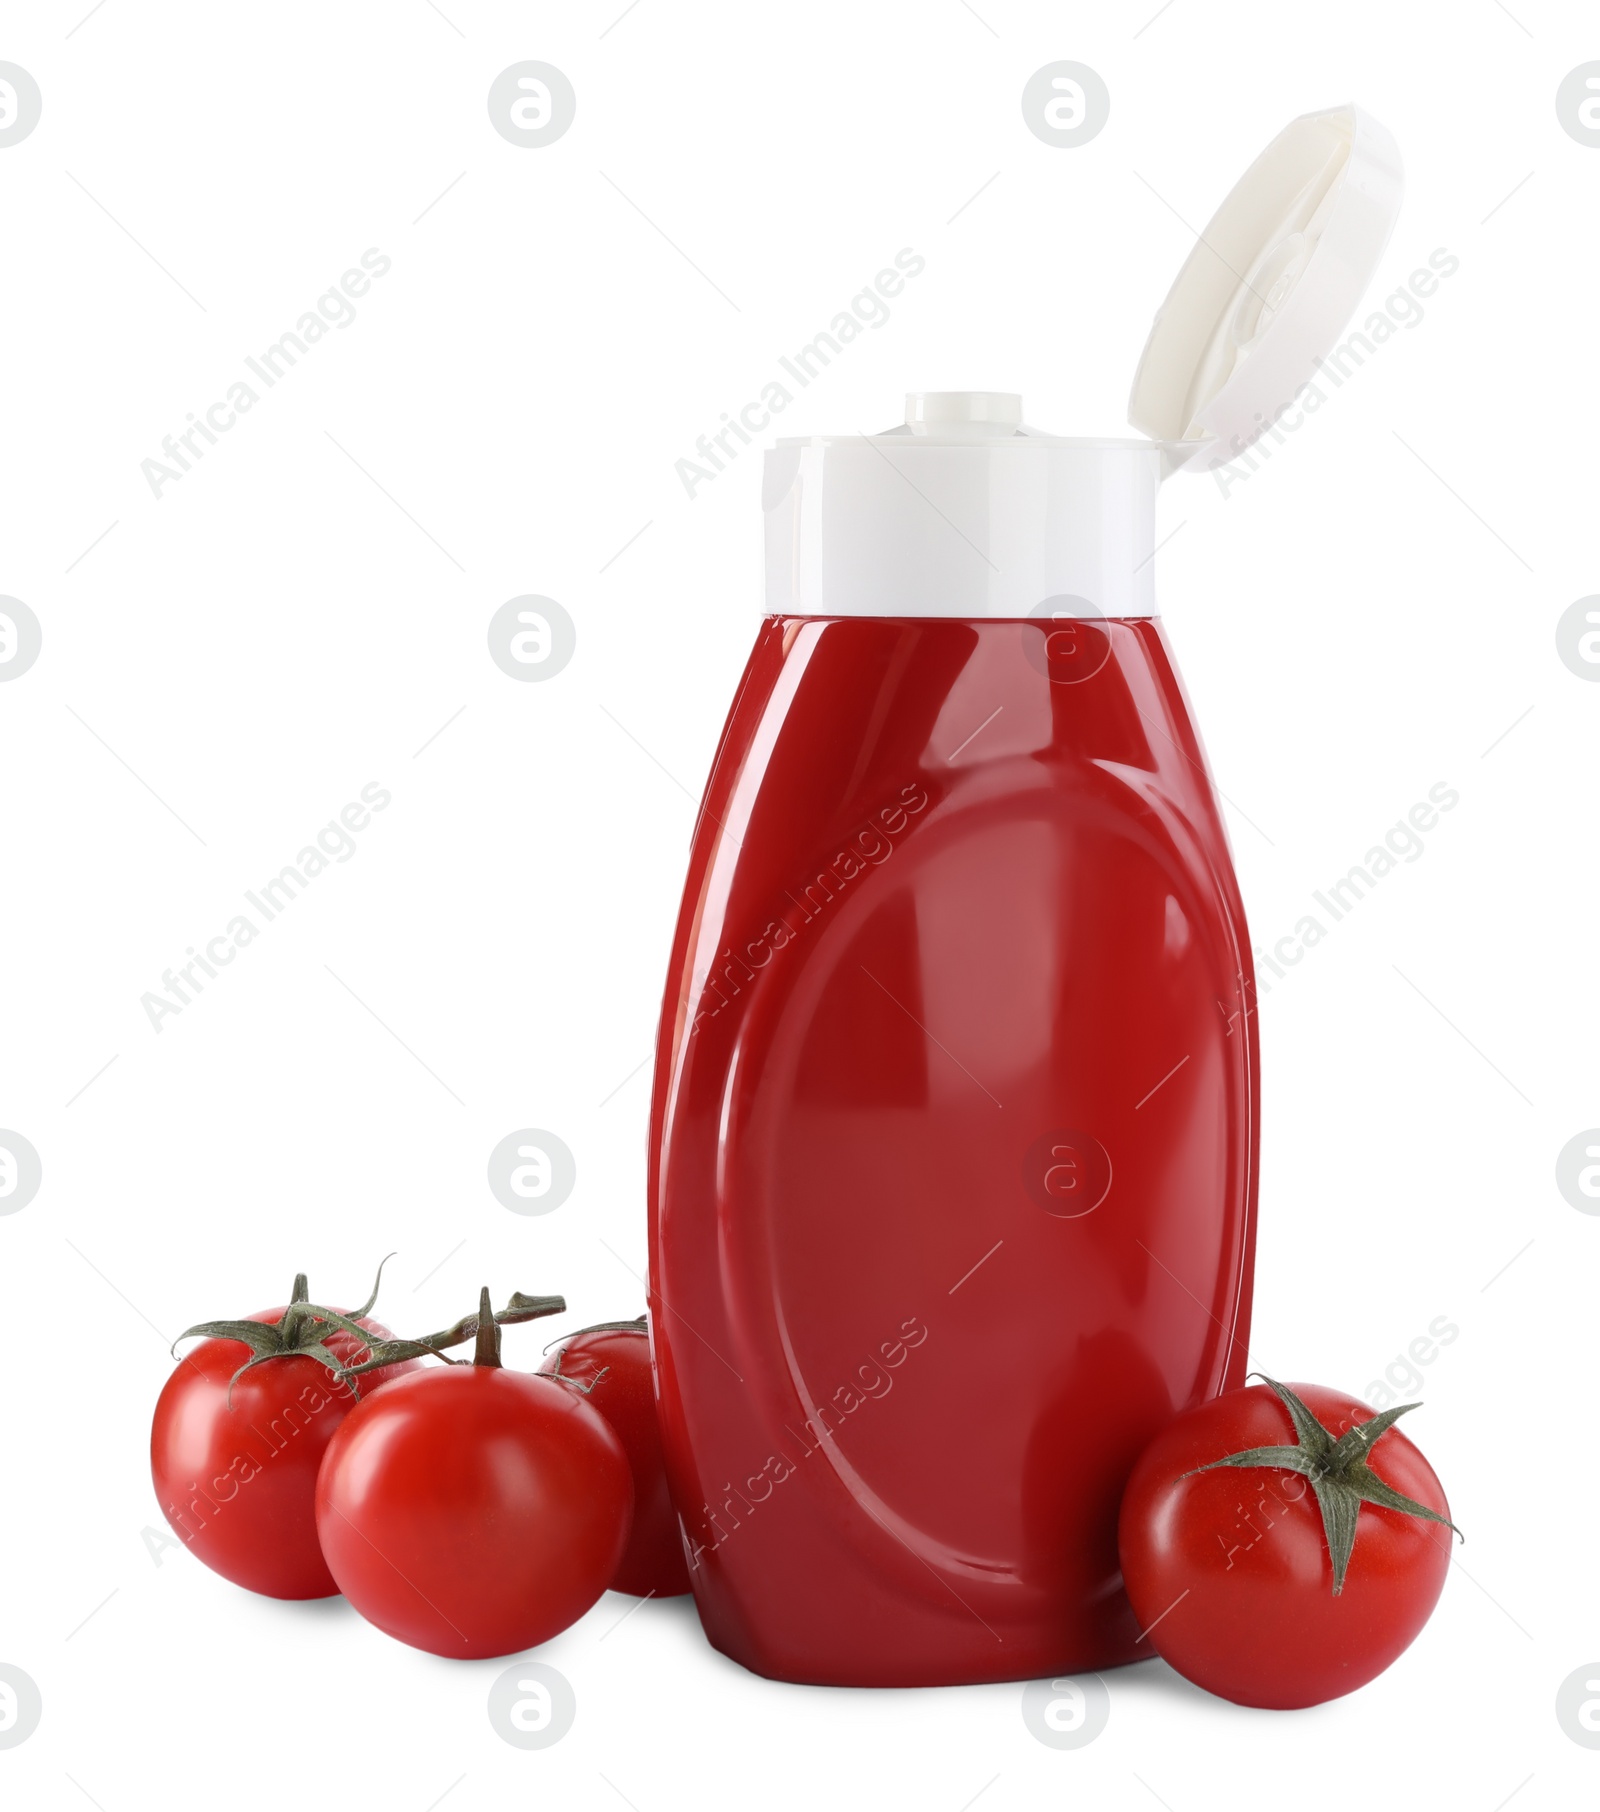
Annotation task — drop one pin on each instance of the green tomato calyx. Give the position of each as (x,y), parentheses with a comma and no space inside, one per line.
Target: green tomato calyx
(1336,1466)
(305,1327)
(639,1325)
(301,1331)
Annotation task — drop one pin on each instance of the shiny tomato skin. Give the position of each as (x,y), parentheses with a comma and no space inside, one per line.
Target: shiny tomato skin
(1229,1571)
(474,1511)
(238,1486)
(613,1367)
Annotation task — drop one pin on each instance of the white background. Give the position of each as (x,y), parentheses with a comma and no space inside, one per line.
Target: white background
(1371,613)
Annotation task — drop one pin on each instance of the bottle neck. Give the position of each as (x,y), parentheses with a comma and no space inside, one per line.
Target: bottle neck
(896,526)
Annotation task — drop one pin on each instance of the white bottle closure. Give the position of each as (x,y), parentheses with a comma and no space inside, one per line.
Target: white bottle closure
(965,511)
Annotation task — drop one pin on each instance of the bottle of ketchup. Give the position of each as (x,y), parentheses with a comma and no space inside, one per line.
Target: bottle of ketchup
(956,1113)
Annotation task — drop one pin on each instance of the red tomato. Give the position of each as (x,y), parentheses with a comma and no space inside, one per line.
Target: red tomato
(611,1366)
(474,1511)
(238,1484)
(1230,1569)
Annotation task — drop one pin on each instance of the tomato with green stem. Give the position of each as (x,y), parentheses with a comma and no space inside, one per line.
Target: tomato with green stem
(239,1432)
(473,1510)
(1283,1545)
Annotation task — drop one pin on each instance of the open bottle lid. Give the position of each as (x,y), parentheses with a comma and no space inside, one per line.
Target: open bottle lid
(1271,284)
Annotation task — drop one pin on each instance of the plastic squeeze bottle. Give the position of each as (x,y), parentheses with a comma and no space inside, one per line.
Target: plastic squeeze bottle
(956,1112)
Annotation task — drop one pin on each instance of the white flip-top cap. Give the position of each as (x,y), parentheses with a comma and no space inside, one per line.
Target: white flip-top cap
(1270,286)
(963,510)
